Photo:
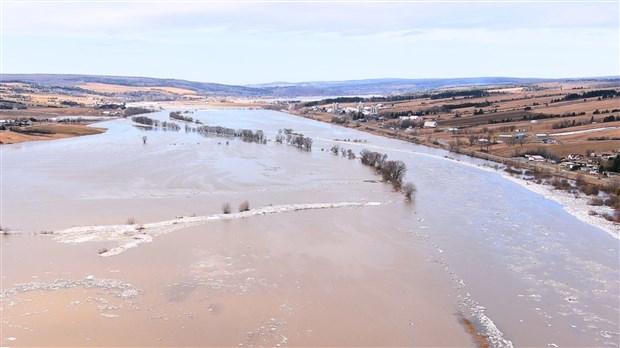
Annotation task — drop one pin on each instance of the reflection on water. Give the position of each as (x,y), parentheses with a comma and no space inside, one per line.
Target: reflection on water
(389,275)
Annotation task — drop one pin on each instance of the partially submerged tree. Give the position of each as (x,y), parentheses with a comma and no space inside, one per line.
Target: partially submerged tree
(226,209)
(335,149)
(409,190)
(393,171)
(244,206)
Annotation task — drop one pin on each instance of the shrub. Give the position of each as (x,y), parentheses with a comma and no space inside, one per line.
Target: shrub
(612,201)
(226,209)
(561,184)
(409,190)
(244,206)
(335,149)
(131,221)
(393,171)
(596,201)
(589,190)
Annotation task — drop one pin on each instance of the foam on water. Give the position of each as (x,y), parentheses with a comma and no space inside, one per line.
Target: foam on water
(131,235)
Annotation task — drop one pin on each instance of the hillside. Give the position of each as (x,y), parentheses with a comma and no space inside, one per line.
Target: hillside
(277,89)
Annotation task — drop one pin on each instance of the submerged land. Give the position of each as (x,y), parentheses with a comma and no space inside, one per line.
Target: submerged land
(208,218)
(564,129)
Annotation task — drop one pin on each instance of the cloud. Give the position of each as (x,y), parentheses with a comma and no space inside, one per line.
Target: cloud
(345,18)
(260,42)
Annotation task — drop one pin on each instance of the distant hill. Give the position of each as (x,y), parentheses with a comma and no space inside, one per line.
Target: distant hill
(284,89)
(72,80)
(391,85)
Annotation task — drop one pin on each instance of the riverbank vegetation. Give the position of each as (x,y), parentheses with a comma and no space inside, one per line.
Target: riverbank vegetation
(601,194)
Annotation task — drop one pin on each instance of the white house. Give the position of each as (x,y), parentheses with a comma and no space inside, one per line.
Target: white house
(535,158)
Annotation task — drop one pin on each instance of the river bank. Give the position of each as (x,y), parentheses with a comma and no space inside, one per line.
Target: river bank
(574,203)
(49,131)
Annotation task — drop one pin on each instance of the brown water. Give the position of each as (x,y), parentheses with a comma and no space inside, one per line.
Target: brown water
(398,274)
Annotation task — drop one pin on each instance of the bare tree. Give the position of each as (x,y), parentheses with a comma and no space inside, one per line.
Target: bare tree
(393,171)
(226,209)
(472,140)
(372,159)
(335,149)
(144,139)
(244,206)
(409,190)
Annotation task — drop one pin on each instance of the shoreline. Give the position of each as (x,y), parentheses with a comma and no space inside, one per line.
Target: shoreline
(61,131)
(577,207)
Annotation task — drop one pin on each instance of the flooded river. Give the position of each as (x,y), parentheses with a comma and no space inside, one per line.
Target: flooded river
(328,255)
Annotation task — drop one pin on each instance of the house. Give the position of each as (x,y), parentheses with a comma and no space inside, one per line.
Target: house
(535,158)
(430,124)
(571,165)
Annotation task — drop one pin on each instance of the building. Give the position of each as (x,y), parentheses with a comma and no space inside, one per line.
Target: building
(535,158)
(430,124)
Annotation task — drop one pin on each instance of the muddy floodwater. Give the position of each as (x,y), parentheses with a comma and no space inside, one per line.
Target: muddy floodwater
(117,242)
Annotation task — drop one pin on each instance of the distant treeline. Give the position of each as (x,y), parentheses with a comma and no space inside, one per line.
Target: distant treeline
(10,104)
(574,123)
(471,93)
(112,106)
(155,123)
(32,130)
(70,103)
(601,93)
(335,100)
(176,115)
(449,107)
(248,135)
(525,117)
(131,111)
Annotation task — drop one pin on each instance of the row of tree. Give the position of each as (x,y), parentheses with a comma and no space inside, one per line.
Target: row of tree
(248,135)
(392,171)
(336,149)
(300,141)
(176,115)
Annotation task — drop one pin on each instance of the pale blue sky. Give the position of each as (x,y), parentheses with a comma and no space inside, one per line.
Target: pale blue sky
(244,42)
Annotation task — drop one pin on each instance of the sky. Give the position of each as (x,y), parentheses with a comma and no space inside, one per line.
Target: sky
(249,42)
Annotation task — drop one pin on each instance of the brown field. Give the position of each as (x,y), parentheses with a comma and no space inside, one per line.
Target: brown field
(579,106)
(506,111)
(50,112)
(60,131)
(55,99)
(108,88)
